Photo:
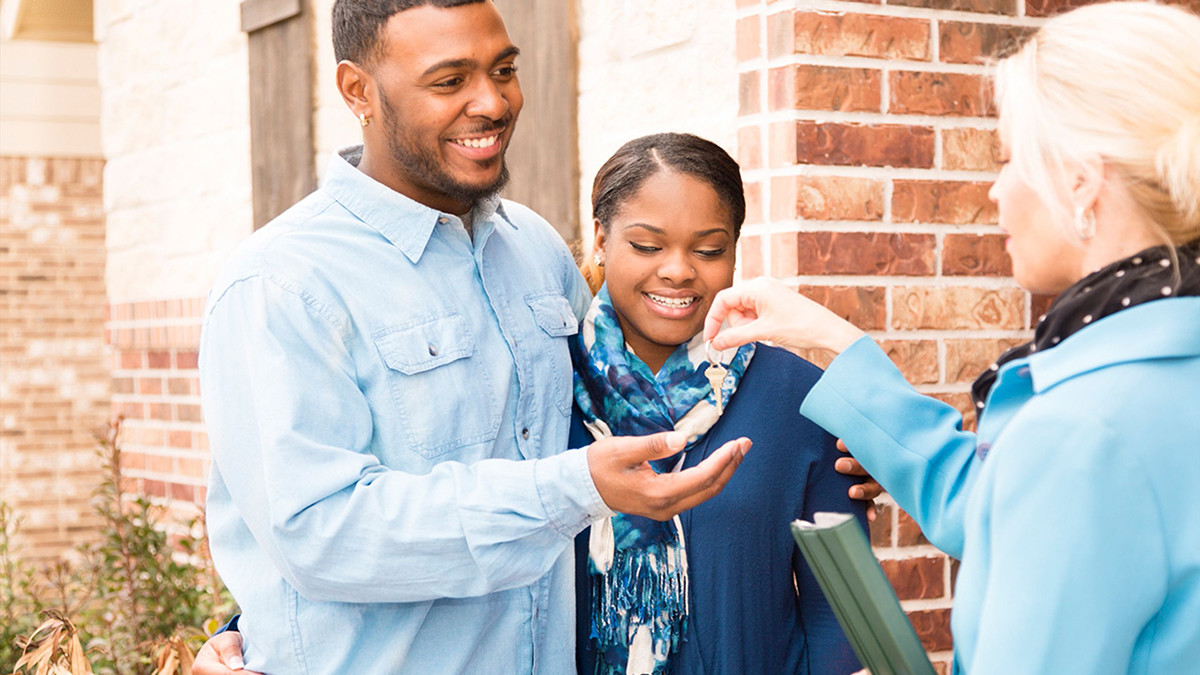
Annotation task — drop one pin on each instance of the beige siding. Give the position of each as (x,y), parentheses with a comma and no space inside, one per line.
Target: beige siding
(49,100)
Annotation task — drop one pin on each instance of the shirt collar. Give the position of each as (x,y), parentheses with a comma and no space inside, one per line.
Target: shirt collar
(405,222)
(1161,329)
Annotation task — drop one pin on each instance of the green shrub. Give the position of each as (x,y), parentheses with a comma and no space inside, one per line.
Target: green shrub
(135,591)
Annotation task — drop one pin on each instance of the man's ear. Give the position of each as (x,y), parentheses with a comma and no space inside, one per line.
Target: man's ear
(357,89)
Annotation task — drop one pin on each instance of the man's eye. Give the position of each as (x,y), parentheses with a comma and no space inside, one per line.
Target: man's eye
(448,83)
(505,72)
(642,248)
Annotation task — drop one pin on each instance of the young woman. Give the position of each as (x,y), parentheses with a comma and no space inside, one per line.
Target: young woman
(1072,508)
(721,588)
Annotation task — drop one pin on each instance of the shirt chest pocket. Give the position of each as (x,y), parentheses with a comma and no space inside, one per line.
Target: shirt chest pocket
(443,395)
(556,323)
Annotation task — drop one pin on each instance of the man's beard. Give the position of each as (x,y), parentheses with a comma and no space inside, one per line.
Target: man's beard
(423,163)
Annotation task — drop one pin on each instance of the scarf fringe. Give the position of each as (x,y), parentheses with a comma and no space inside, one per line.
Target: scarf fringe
(644,586)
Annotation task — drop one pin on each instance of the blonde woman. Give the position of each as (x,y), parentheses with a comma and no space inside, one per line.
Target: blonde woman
(1073,508)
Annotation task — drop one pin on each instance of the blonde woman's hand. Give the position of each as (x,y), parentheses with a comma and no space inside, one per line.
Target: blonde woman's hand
(765,310)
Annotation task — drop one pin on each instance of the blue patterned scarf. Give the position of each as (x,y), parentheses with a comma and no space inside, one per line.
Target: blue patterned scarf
(638,566)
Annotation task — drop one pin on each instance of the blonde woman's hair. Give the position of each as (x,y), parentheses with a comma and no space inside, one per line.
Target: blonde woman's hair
(1120,80)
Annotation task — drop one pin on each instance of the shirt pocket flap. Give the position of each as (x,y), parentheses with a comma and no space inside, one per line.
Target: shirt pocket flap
(427,345)
(554,315)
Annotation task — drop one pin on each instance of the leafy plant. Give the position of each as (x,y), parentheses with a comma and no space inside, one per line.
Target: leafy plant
(136,600)
(21,593)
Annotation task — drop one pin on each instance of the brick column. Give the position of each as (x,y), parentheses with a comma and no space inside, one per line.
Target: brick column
(867,140)
(54,385)
(156,389)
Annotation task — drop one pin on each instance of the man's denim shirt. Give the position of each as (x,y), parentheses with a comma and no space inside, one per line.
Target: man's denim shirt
(387,403)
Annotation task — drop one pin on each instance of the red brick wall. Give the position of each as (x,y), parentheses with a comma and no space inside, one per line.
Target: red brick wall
(867,138)
(156,390)
(54,386)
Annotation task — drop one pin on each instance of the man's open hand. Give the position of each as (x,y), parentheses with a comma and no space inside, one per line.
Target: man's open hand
(627,483)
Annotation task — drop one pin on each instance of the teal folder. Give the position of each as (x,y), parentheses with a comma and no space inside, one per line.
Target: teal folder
(839,555)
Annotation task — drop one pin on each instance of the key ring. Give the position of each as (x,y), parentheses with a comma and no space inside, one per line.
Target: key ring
(713,355)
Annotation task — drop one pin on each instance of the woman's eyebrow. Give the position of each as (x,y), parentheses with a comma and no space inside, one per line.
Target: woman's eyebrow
(644,226)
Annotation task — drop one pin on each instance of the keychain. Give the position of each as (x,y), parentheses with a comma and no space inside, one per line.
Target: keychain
(716,377)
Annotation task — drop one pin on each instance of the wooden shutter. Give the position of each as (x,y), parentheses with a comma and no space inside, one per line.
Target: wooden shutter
(544,157)
(281,103)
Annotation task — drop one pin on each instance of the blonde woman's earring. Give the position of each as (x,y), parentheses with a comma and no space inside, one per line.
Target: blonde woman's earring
(1085,223)
(597,260)
(363,119)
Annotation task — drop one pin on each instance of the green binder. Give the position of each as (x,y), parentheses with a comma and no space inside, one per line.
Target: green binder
(861,597)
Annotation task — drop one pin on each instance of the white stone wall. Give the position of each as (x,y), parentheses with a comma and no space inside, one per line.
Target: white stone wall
(176,136)
(335,127)
(647,67)
(175,117)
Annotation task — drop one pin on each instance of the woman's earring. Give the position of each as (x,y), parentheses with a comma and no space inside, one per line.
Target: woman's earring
(363,119)
(1085,223)
(597,260)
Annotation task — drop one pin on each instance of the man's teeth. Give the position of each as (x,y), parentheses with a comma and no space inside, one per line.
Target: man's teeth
(672,302)
(477,142)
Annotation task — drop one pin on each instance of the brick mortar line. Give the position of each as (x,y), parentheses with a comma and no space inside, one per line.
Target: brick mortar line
(166,451)
(869,226)
(150,323)
(163,425)
(935,45)
(908,552)
(900,11)
(762,65)
(886,65)
(879,172)
(928,281)
(939,122)
(928,604)
(940,346)
(167,478)
(150,372)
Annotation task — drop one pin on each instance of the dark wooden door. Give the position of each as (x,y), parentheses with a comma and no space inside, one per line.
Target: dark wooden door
(280,34)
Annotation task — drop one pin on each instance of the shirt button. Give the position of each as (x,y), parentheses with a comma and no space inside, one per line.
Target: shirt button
(433,350)
(525,433)
(983,449)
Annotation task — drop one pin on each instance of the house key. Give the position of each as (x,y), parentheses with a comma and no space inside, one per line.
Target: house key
(716,378)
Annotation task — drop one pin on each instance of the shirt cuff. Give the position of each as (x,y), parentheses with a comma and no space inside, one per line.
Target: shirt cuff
(568,494)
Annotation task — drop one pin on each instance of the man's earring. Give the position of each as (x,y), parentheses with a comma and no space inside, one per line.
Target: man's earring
(1085,223)
(363,119)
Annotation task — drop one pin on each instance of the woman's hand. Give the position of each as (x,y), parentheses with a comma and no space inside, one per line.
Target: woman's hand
(763,309)
(221,655)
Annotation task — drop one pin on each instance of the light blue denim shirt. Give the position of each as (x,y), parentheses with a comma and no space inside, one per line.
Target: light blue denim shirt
(1073,509)
(388,402)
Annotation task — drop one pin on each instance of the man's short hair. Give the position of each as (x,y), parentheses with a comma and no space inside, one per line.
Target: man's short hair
(357,24)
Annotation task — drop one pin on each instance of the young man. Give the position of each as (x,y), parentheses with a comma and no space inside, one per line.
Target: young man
(386,384)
